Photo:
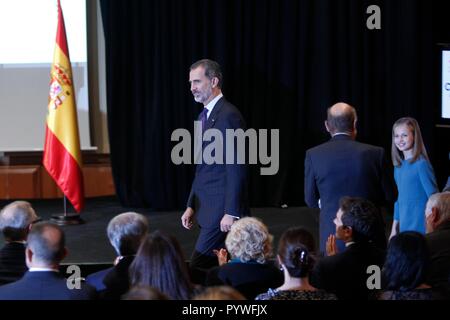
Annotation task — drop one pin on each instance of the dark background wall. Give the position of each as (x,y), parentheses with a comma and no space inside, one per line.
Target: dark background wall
(284,63)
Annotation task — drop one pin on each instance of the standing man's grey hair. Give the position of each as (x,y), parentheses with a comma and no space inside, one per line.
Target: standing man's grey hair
(126,231)
(47,242)
(212,69)
(341,117)
(15,219)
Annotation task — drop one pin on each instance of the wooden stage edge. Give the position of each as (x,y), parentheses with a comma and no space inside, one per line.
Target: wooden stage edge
(22,176)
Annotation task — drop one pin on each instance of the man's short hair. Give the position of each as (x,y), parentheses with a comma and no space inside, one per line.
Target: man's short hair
(440,201)
(15,218)
(126,231)
(343,122)
(362,216)
(212,69)
(47,242)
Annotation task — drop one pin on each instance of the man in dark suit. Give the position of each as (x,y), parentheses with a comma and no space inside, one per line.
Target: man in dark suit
(45,250)
(437,215)
(345,167)
(125,232)
(345,273)
(15,223)
(218,195)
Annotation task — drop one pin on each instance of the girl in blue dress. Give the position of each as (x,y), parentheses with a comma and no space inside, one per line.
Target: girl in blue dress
(413,175)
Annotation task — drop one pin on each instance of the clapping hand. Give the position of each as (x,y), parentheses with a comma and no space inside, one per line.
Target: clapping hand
(331,247)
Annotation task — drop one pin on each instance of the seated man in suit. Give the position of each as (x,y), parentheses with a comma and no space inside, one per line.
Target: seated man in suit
(15,223)
(437,216)
(345,273)
(45,250)
(125,233)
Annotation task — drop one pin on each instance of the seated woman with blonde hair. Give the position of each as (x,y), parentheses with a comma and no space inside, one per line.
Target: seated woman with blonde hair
(295,256)
(249,244)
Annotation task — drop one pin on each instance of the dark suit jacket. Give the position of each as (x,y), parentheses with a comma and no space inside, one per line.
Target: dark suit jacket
(345,274)
(250,279)
(439,244)
(44,285)
(113,282)
(344,167)
(219,188)
(12,262)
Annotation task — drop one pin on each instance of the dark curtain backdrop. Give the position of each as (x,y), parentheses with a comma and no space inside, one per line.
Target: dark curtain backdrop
(284,63)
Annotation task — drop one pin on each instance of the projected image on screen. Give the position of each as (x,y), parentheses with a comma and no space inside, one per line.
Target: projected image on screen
(27,43)
(446,84)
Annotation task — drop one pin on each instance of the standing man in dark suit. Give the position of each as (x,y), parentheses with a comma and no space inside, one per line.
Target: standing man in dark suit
(15,223)
(218,195)
(45,250)
(345,167)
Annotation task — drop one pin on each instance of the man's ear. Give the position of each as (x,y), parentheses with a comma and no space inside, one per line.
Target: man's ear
(28,255)
(326,126)
(214,82)
(435,216)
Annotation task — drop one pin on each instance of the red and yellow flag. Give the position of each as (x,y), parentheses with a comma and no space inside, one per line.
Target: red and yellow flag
(62,155)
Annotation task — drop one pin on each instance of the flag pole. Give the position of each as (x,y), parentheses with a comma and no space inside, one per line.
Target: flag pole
(66,218)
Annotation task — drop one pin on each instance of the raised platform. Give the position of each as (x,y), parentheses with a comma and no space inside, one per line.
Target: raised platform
(22,176)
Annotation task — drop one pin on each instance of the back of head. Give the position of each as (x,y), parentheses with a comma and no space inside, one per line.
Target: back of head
(144,293)
(160,263)
(15,219)
(341,117)
(362,216)
(407,262)
(440,201)
(47,242)
(212,69)
(249,240)
(419,149)
(126,231)
(220,293)
(295,249)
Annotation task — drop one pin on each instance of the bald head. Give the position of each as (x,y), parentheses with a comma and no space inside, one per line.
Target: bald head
(437,210)
(341,118)
(15,220)
(46,241)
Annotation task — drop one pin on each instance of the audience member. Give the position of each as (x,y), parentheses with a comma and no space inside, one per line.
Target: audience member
(345,273)
(125,232)
(405,270)
(249,271)
(413,174)
(160,264)
(295,256)
(437,214)
(15,223)
(220,293)
(45,250)
(144,293)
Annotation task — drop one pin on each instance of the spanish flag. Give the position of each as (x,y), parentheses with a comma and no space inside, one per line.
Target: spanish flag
(62,155)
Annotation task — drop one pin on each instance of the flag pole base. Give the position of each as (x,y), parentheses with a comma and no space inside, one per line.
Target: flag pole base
(65,220)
